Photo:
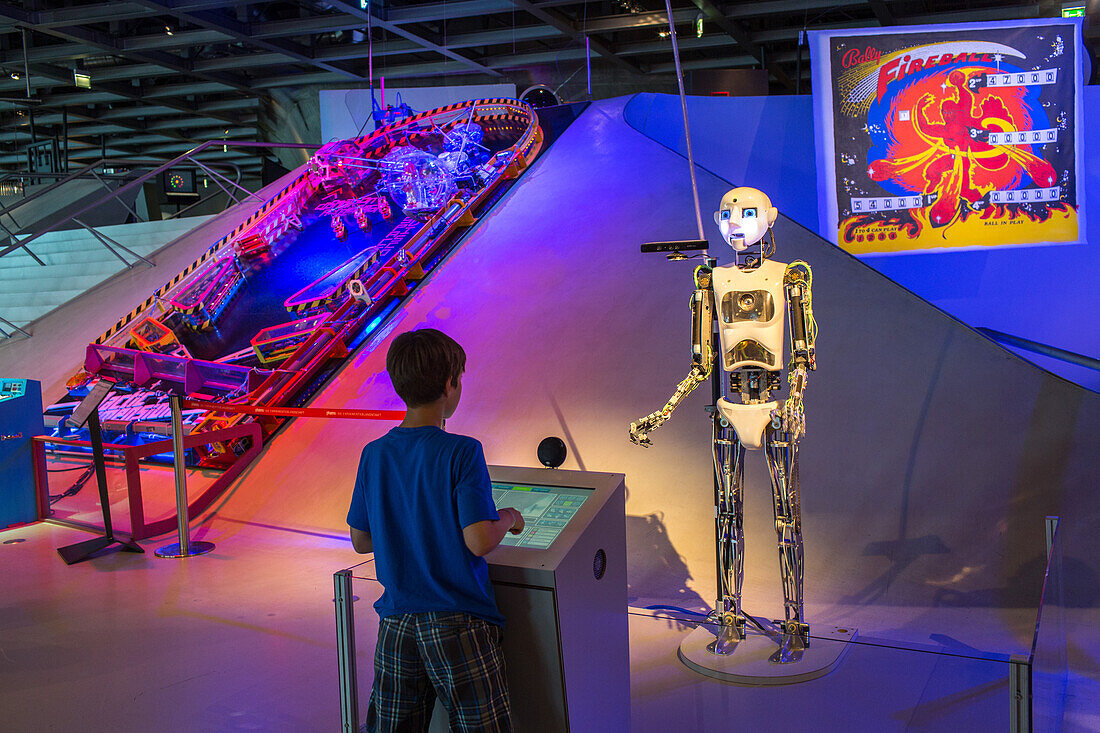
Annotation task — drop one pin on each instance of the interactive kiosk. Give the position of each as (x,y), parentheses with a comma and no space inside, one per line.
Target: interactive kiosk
(561,585)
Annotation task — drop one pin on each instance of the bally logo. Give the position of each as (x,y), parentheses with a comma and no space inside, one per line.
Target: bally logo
(853,57)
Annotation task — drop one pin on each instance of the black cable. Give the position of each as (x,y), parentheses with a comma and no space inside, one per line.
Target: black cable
(62,470)
(76,487)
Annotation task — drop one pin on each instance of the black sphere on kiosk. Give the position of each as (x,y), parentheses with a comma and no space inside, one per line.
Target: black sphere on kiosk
(552,452)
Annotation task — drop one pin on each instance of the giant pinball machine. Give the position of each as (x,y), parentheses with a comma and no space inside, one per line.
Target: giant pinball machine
(270,311)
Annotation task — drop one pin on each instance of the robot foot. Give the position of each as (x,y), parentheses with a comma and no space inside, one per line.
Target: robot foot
(792,643)
(731,631)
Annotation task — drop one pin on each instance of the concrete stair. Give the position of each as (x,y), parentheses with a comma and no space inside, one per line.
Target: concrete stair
(76,262)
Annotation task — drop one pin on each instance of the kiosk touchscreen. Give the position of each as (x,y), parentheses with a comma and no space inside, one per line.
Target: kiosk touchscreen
(561,585)
(545,509)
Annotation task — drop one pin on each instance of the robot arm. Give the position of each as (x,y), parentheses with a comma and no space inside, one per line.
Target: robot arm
(702,315)
(798,282)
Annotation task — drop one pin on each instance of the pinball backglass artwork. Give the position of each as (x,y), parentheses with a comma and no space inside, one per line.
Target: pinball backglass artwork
(954,136)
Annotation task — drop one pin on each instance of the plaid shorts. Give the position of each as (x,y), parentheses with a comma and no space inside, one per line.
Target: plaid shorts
(455,656)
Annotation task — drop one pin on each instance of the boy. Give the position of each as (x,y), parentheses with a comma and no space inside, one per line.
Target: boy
(423,503)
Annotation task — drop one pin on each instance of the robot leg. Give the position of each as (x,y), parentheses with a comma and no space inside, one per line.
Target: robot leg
(782,455)
(729,467)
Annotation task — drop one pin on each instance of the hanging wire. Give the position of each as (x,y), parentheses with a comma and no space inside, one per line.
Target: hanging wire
(683,106)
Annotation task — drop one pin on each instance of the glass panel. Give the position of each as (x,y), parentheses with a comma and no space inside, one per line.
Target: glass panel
(874,686)
(74,491)
(1049,652)
(366,590)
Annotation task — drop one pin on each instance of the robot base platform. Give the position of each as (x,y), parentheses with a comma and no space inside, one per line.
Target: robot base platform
(749,663)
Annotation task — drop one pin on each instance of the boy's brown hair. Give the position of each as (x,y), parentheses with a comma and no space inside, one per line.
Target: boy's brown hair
(421,362)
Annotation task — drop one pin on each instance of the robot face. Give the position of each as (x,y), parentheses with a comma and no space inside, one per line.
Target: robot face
(744,217)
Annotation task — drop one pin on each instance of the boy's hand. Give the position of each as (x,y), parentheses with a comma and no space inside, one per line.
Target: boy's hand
(518,524)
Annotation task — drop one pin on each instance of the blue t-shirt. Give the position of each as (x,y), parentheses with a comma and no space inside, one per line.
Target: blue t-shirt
(415,491)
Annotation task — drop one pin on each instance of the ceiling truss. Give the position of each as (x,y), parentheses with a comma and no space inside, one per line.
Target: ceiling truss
(169,74)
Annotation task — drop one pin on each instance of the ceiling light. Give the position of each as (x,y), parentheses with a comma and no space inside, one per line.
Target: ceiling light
(662,34)
(168,29)
(83,81)
(699,27)
(15,76)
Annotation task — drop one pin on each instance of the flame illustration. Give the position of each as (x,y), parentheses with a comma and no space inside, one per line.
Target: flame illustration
(939,149)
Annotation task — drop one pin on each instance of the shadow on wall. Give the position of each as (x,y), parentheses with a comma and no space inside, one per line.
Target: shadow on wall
(1024,589)
(656,572)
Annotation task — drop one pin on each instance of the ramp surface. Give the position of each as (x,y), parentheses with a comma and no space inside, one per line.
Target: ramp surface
(931,458)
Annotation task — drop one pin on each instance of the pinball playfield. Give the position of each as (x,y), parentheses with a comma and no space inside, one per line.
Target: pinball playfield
(270,311)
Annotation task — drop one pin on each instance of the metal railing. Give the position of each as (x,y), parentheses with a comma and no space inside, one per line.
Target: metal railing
(1035,347)
(234,191)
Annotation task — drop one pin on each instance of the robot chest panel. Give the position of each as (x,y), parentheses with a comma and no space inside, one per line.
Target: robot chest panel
(751,315)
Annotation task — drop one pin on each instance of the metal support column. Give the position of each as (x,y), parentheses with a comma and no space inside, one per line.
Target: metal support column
(1051,524)
(185,547)
(65,134)
(345,650)
(1019,693)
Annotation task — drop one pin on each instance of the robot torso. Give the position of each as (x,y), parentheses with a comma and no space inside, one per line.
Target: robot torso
(751,308)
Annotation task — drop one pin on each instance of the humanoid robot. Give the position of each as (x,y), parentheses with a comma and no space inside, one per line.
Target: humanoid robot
(750,299)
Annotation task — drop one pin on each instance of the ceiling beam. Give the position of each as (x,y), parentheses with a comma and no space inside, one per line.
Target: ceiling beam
(882,13)
(639,20)
(112,46)
(178,39)
(353,9)
(109,92)
(459,9)
(735,30)
(94,13)
(556,20)
(221,21)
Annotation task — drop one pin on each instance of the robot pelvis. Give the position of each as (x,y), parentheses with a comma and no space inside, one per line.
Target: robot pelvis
(748,421)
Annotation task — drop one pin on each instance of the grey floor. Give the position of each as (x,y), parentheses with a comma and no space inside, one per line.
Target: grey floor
(244,639)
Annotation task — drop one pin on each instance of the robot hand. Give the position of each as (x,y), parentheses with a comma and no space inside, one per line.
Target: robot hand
(640,429)
(791,418)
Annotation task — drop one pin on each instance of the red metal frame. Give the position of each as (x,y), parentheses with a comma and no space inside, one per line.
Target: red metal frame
(139,528)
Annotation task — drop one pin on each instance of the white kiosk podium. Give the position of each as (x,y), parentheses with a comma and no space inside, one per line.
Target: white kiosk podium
(561,585)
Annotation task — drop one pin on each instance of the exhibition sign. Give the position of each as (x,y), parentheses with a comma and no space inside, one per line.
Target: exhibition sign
(949,136)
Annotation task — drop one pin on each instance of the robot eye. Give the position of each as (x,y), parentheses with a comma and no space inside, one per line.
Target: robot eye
(748,213)
(725,214)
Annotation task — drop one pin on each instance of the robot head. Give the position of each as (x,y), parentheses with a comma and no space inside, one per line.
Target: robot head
(744,216)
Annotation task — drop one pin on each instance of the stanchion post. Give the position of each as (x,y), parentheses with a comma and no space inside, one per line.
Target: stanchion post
(185,547)
(1019,693)
(345,650)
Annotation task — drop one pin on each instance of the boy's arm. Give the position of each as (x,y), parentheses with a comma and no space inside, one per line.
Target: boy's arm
(361,541)
(483,537)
